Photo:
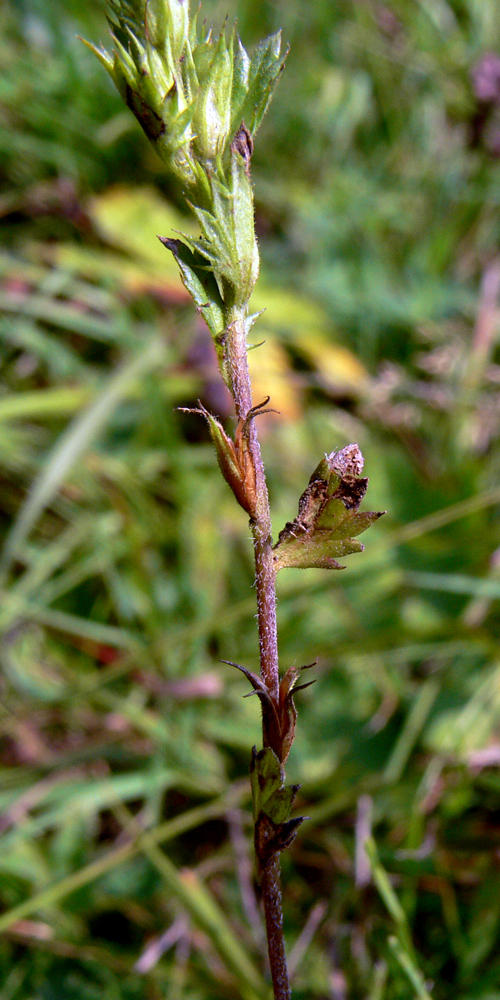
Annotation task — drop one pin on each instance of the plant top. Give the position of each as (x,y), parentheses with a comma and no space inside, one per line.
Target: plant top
(189,90)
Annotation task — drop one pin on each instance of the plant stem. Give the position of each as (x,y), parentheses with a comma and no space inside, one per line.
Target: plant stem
(265,573)
(270,883)
(265,583)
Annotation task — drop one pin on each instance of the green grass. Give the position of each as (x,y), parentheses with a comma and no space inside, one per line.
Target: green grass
(126,567)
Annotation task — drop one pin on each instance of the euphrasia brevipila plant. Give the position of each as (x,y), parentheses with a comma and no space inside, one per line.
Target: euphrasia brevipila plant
(200,99)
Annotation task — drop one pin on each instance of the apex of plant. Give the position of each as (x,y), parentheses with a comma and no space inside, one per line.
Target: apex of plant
(189,90)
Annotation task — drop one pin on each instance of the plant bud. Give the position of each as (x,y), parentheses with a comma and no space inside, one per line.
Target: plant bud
(167,25)
(179,27)
(212,111)
(161,79)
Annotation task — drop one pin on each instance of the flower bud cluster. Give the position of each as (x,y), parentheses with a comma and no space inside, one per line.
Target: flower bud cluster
(189,91)
(199,99)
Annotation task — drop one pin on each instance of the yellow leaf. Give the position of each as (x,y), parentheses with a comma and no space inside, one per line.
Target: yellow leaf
(337,367)
(303,324)
(272,376)
(133,218)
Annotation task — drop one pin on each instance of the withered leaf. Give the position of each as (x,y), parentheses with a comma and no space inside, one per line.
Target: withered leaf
(328,518)
(279,716)
(234,457)
(270,838)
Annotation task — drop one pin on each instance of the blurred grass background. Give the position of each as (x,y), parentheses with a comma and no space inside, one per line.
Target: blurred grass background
(126,566)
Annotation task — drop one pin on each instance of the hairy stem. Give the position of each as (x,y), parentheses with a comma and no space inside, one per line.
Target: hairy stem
(265,582)
(265,585)
(265,573)
(270,882)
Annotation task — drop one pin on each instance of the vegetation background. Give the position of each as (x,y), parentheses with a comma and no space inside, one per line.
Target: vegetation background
(126,568)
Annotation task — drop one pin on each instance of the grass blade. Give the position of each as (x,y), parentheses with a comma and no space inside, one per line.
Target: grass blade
(73,443)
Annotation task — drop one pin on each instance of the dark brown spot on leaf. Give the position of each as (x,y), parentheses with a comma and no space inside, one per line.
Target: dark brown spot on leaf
(351,491)
(243,144)
(150,122)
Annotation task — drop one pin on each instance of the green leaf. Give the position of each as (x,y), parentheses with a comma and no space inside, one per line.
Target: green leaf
(227,239)
(212,107)
(241,70)
(200,283)
(258,79)
(270,794)
(272,801)
(319,551)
